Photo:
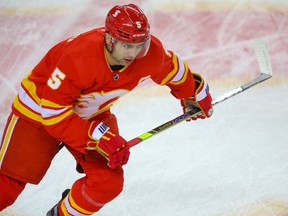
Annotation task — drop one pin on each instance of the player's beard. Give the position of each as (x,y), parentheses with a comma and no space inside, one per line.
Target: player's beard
(124,61)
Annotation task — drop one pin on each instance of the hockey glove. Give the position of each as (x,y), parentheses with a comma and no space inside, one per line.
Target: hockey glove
(202,99)
(110,145)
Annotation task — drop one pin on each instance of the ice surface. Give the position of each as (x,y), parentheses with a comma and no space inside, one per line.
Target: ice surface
(232,164)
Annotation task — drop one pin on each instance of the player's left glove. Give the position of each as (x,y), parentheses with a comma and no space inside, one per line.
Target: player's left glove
(109,144)
(201,99)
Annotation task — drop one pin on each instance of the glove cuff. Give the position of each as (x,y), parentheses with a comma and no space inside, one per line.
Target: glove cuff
(97,130)
(201,98)
(202,91)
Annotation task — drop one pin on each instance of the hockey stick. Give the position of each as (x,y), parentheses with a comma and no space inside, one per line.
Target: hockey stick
(264,63)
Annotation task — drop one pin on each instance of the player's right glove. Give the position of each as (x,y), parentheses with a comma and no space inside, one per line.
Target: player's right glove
(202,99)
(110,145)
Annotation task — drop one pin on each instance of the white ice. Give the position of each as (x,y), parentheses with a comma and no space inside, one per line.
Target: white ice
(236,159)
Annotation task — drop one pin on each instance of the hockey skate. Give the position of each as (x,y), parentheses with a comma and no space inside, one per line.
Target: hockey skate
(54,210)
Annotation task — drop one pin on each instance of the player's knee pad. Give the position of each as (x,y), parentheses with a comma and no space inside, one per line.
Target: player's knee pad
(10,189)
(102,186)
(89,194)
(105,185)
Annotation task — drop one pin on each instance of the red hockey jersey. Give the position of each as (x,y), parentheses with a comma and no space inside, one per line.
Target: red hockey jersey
(73,83)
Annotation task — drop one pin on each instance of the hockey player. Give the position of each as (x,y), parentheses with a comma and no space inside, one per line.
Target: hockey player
(67,98)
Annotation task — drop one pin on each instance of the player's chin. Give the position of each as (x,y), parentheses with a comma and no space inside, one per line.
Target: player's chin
(128,61)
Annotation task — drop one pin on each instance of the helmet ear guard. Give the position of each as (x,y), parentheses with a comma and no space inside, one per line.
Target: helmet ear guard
(109,45)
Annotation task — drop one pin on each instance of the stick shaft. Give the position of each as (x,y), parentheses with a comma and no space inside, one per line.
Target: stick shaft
(264,63)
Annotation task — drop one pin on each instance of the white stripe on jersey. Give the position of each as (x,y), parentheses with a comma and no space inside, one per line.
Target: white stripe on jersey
(181,70)
(27,100)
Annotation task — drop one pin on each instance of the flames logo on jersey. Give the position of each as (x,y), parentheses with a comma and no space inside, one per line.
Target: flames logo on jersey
(94,103)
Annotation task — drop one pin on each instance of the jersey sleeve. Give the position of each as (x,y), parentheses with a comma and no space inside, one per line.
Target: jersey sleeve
(173,71)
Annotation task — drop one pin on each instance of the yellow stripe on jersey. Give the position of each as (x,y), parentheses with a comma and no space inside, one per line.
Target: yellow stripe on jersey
(181,77)
(47,103)
(7,137)
(25,111)
(173,72)
(31,87)
(57,119)
(179,73)
(43,111)
(53,113)
(28,104)
(49,114)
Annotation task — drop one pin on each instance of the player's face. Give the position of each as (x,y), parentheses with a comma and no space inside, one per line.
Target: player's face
(125,53)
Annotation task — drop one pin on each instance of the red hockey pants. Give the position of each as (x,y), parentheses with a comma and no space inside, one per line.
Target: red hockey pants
(26,152)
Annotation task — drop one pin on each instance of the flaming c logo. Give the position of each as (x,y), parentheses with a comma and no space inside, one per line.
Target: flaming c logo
(93,103)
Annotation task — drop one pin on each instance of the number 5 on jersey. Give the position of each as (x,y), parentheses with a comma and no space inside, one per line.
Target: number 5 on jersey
(56,79)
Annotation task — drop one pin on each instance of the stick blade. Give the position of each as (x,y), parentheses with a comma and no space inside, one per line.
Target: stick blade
(263,57)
